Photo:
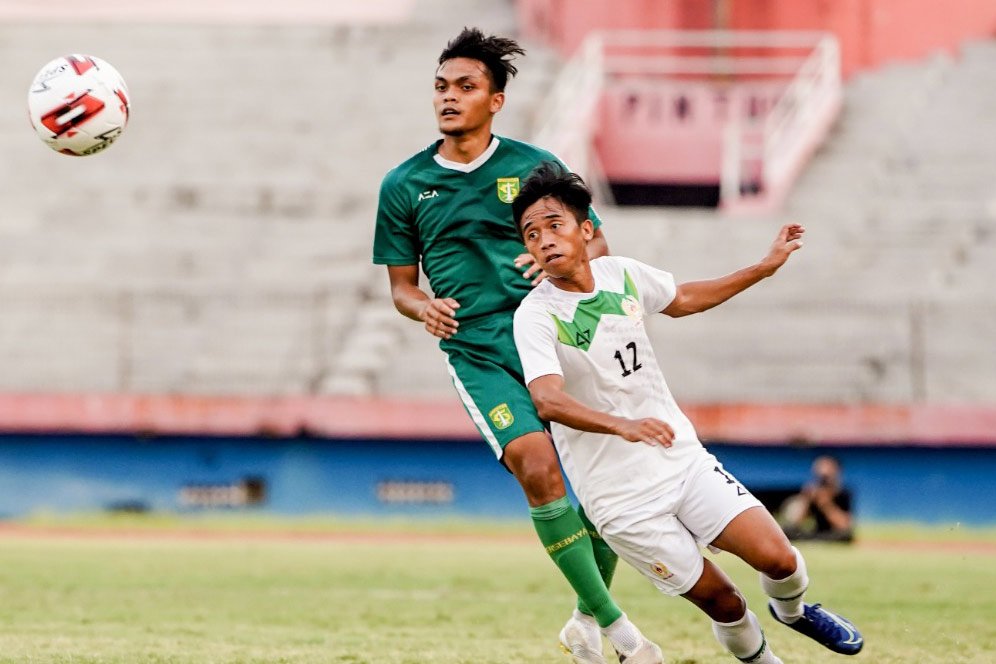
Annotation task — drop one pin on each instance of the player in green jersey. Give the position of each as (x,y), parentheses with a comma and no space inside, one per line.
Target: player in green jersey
(449,208)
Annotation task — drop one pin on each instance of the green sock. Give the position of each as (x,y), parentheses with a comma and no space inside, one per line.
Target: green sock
(565,537)
(605,557)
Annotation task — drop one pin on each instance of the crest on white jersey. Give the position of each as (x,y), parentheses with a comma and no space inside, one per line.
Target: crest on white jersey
(631,307)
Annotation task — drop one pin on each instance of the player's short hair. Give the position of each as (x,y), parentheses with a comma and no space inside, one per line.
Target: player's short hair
(496,53)
(551,179)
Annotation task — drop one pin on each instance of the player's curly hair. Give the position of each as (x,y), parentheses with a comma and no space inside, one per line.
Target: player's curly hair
(496,53)
(552,179)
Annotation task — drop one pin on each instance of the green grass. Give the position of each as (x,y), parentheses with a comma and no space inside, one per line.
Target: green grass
(490,596)
(219,522)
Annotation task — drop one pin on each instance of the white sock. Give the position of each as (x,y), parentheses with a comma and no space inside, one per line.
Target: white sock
(624,635)
(786,594)
(745,640)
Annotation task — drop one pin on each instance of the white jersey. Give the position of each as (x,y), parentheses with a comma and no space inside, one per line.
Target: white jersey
(598,342)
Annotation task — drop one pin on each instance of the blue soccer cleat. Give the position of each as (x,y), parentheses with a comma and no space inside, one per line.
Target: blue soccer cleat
(826,628)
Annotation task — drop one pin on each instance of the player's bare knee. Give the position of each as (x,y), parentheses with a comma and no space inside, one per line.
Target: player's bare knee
(725,606)
(716,596)
(538,474)
(732,606)
(779,563)
(540,480)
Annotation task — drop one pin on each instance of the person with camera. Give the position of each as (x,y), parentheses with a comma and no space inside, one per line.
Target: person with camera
(822,509)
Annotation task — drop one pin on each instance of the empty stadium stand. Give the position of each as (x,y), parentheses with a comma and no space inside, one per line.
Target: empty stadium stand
(222,246)
(887,301)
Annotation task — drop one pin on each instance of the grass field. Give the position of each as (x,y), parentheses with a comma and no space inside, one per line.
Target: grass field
(174,591)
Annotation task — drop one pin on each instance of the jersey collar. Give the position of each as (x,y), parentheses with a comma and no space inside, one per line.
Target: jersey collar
(472,166)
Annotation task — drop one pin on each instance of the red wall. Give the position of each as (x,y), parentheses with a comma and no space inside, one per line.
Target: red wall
(643,138)
(355,417)
(871,32)
(564,23)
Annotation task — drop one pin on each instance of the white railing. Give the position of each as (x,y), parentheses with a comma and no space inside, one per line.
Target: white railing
(803,113)
(759,162)
(568,115)
(762,171)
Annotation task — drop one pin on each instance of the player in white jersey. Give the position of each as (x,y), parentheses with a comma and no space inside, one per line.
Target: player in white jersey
(653,492)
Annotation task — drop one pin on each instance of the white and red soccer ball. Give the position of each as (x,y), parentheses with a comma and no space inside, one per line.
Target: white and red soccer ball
(78,104)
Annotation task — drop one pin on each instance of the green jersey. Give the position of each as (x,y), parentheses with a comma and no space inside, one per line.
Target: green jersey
(456,219)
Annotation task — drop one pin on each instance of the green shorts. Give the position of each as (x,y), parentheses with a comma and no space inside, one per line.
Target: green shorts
(487,374)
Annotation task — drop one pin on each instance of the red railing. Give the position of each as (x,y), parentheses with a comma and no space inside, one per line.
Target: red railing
(738,110)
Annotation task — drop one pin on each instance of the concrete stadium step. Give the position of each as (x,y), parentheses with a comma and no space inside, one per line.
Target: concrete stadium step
(772,353)
(418,367)
(222,245)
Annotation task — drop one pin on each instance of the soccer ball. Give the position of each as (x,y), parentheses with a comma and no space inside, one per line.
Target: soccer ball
(78,104)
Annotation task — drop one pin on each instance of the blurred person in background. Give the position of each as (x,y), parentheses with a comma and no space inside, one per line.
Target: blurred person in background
(822,509)
(448,209)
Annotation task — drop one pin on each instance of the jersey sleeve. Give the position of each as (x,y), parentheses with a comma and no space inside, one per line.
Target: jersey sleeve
(656,287)
(395,238)
(536,342)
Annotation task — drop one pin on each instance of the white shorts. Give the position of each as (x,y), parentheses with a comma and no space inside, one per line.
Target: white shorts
(663,538)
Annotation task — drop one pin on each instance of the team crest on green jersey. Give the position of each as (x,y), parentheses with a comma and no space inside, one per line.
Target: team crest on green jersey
(501,416)
(580,332)
(508,189)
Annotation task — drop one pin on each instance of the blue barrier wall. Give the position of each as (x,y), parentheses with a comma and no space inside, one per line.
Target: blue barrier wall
(438,478)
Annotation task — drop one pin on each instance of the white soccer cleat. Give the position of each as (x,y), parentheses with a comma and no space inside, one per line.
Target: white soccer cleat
(648,653)
(582,643)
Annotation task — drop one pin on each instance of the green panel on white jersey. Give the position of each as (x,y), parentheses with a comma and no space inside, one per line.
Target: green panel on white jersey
(580,331)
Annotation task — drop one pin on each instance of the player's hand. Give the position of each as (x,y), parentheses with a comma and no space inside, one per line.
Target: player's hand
(439,316)
(647,430)
(789,239)
(534,271)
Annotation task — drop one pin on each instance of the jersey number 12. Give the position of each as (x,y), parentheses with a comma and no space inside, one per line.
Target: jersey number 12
(636,365)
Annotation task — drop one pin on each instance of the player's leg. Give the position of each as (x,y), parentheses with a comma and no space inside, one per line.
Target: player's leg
(605,557)
(581,633)
(755,537)
(734,625)
(653,540)
(503,411)
(720,512)
(533,461)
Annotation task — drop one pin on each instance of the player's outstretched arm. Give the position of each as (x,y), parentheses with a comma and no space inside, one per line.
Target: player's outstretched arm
(696,296)
(555,405)
(439,315)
